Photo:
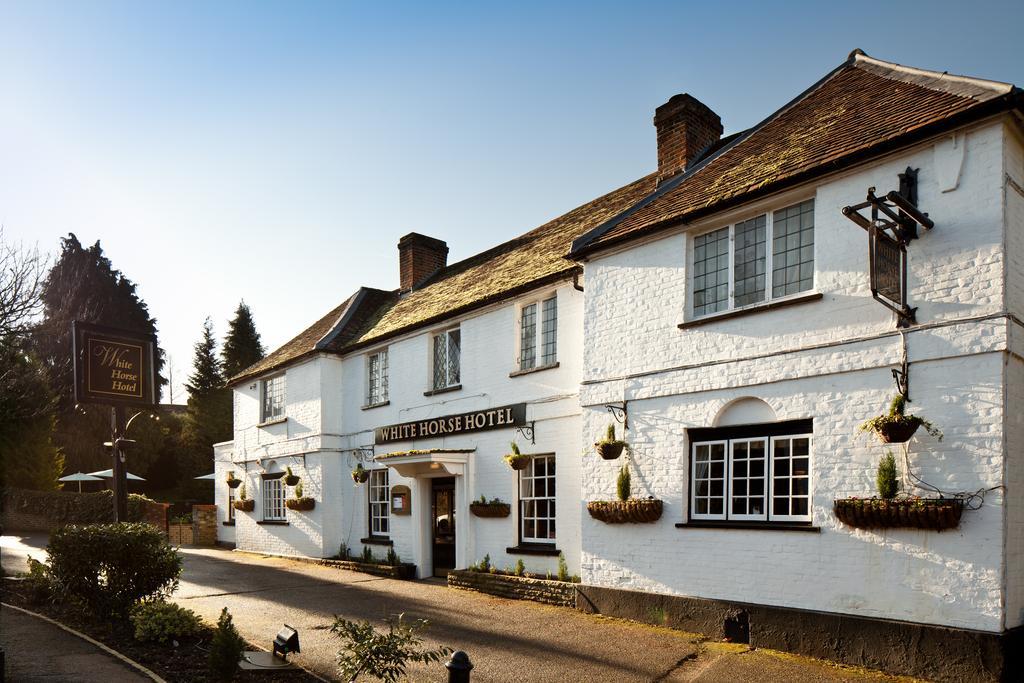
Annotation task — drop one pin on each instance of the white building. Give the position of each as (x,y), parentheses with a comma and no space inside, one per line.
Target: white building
(727,317)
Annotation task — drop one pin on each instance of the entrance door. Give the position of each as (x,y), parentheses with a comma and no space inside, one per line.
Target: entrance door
(443,521)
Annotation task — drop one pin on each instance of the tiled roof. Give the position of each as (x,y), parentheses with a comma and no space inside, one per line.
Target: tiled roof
(861,108)
(528,261)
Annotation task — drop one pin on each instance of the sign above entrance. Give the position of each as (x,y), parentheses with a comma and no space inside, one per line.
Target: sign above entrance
(113,366)
(461,423)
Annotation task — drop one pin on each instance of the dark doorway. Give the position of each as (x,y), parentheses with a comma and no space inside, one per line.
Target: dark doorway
(442,510)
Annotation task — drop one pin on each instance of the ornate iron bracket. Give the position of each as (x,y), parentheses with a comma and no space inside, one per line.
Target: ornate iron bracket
(526,431)
(362,454)
(620,412)
(902,379)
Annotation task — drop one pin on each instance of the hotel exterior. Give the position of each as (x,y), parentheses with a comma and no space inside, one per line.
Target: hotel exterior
(729,318)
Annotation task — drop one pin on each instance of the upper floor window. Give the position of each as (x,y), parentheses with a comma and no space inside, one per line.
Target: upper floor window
(379,502)
(273,390)
(377,377)
(538,333)
(731,264)
(752,473)
(447,351)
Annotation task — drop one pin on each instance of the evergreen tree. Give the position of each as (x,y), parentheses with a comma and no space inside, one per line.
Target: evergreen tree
(208,419)
(242,346)
(28,457)
(83,285)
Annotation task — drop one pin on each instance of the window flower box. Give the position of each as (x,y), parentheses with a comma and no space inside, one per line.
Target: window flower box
(303,504)
(247,505)
(490,509)
(917,513)
(633,511)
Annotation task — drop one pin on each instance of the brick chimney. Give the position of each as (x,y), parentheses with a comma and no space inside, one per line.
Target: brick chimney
(419,256)
(686,127)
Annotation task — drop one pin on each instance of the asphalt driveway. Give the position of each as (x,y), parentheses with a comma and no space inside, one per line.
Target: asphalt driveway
(507,640)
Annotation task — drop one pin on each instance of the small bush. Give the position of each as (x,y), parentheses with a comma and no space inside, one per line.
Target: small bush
(38,588)
(382,655)
(367,557)
(226,648)
(520,567)
(563,568)
(888,486)
(393,559)
(110,567)
(343,552)
(485,564)
(623,485)
(163,621)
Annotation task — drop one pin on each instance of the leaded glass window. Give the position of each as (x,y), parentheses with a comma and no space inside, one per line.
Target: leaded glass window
(273,398)
(447,349)
(711,272)
(377,377)
(793,249)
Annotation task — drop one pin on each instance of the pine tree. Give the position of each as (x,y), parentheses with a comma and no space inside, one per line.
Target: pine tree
(242,346)
(83,285)
(208,419)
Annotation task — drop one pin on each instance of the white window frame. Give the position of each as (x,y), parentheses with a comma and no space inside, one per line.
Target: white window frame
(550,497)
(433,358)
(769,474)
(273,500)
(809,477)
(383,381)
(538,332)
(375,503)
(231,504)
(693,483)
(273,414)
(769,214)
(730,480)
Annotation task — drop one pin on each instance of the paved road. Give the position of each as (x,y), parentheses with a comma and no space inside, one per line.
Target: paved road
(507,640)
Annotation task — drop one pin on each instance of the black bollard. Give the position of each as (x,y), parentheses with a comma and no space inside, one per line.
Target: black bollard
(458,667)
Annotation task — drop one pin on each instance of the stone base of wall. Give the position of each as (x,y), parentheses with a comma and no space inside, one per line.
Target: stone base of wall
(932,652)
(515,587)
(402,571)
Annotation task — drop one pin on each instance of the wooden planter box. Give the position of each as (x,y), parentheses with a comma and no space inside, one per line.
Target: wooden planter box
(247,505)
(490,509)
(300,504)
(559,593)
(610,450)
(403,571)
(917,513)
(639,511)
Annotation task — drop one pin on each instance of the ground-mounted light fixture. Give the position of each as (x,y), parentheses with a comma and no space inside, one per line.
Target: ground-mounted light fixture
(285,643)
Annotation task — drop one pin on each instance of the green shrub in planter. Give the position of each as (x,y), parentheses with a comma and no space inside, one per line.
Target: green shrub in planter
(226,649)
(161,621)
(888,486)
(107,568)
(623,484)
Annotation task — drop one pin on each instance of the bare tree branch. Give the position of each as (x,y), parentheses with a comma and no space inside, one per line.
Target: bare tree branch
(22,272)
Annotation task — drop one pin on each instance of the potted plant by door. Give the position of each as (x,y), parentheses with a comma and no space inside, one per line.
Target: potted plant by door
(244,503)
(290,478)
(609,447)
(896,426)
(232,482)
(515,459)
(360,474)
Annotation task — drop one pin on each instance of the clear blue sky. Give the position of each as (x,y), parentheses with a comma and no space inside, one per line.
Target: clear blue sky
(276,152)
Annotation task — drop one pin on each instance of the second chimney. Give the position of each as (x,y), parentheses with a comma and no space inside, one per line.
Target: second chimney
(686,127)
(419,257)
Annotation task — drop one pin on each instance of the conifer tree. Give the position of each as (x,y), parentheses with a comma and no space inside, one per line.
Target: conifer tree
(242,346)
(208,418)
(83,285)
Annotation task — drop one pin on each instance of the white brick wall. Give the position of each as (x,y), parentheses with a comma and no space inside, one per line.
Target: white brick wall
(803,362)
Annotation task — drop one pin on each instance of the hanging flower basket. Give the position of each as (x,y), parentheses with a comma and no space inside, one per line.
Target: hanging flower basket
(360,474)
(917,513)
(247,505)
(490,509)
(518,461)
(896,426)
(234,483)
(633,511)
(291,480)
(301,504)
(897,432)
(610,448)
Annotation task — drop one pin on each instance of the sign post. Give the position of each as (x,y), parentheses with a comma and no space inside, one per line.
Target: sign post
(115,367)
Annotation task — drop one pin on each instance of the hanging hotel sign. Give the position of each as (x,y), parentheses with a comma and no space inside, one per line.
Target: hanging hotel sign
(113,366)
(888,261)
(460,423)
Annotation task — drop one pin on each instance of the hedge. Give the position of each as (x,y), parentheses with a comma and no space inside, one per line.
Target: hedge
(66,507)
